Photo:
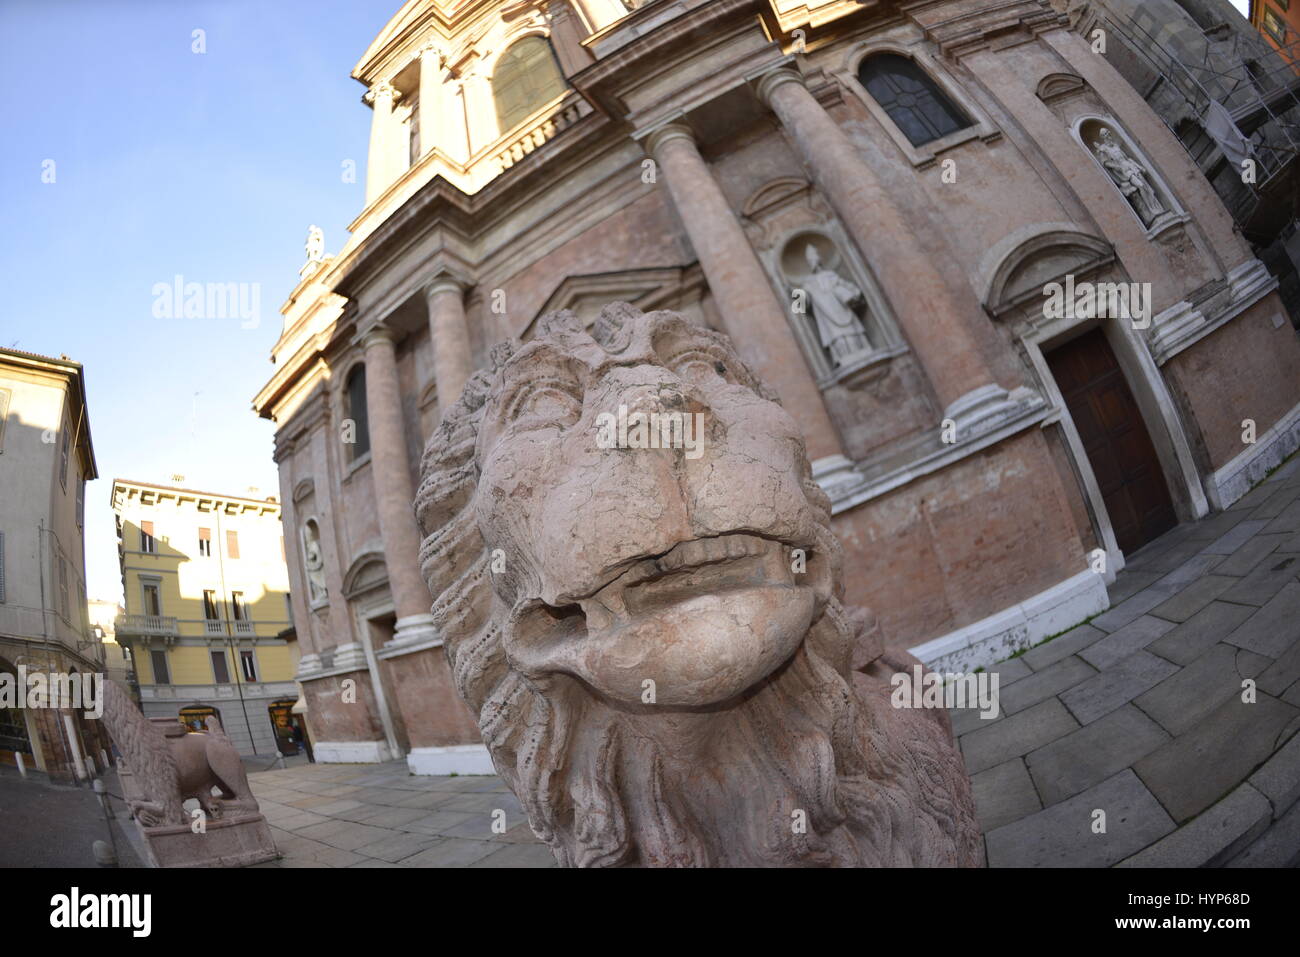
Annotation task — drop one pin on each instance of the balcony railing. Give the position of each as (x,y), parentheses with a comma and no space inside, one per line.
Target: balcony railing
(540,128)
(146,625)
(211,627)
(243,627)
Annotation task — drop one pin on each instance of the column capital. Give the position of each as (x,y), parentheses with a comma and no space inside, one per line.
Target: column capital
(445,282)
(378,334)
(768,82)
(675,130)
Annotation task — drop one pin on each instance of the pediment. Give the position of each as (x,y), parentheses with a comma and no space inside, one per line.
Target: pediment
(586,295)
(1056,86)
(1045,257)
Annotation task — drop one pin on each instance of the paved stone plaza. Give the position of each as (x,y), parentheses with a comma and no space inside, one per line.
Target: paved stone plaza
(1137,713)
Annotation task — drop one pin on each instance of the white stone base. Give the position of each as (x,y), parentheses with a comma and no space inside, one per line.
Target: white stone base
(1001,635)
(455,759)
(351,752)
(1270,449)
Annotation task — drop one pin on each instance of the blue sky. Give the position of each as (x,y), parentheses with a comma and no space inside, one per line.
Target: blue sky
(169,162)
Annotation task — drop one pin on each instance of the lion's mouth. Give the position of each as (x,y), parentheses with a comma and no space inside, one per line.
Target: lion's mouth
(696,567)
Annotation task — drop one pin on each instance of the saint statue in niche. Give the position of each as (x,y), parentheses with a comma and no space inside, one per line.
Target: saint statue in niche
(835,301)
(315,563)
(1129,175)
(315,244)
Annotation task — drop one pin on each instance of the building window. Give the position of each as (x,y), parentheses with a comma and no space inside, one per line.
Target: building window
(232,544)
(152,599)
(911,98)
(147,543)
(205,542)
(161,676)
(237,605)
(356,412)
(81,501)
(210,606)
(1274,26)
(525,79)
(220,668)
(248,661)
(413,131)
(64,446)
(63,588)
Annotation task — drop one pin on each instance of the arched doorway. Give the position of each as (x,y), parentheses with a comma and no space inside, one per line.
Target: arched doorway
(290,732)
(15,737)
(200,718)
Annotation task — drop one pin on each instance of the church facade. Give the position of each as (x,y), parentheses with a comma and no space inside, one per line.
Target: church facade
(1014,320)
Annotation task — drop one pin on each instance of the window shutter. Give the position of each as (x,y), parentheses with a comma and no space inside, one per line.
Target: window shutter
(205,534)
(232,544)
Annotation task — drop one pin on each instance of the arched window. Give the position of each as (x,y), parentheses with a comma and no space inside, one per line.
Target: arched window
(525,78)
(913,101)
(356,411)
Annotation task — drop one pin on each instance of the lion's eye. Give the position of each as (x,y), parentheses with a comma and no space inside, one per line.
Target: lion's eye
(544,403)
(699,367)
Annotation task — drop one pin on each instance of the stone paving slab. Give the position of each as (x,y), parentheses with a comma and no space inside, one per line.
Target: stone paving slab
(1278,778)
(1201,632)
(1004,794)
(1016,735)
(1245,559)
(1193,597)
(1094,753)
(1278,846)
(1259,587)
(1182,700)
(1133,637)
(1134,608)
(1043,656)
(1116,686)
(1275,627)
(1214,837)
(1199,767)
(1052,680)
(1063,835)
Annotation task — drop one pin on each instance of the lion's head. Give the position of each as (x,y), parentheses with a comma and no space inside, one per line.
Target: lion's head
(652,637)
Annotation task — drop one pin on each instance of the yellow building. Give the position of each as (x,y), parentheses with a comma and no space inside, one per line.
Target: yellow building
(206,609)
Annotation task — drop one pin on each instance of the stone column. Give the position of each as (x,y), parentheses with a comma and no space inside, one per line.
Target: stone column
(394,494)
(480,109)
(381,165)
(453,363)
(751,312)
(938,319)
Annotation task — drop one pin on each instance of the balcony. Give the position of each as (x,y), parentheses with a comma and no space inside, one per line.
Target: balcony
(243,627)
(214,627)
(148,625)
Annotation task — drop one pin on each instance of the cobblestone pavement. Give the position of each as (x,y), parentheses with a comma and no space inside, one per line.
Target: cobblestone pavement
(56,825)
(1137,713)
(367,815)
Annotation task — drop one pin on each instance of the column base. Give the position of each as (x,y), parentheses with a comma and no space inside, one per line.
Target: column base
(832,471)
(412,633)
(351,752)
(349,657)
(985,409)
(453,759)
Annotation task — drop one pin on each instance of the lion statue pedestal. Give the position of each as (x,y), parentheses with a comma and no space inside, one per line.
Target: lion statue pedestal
(647,623)
(164,766)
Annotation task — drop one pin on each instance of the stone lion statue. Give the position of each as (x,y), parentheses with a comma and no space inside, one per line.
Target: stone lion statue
(653,642)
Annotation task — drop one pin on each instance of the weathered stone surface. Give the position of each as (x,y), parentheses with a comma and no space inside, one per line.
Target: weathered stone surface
(1120,644)
(1278,846)
(1278,779)
(1282,673)
(1213,837)
(1274,628)
(1043,656)
(1116,686)
(1232,540)
(1134,608)
(742,715)
(1268,578)
(1198,768)
(1016,735)
(1183,699)
(1193,597)
(1082,759)
(1201,632)
(1052,680)
(1004,794)
(1063,836)
(1245,559)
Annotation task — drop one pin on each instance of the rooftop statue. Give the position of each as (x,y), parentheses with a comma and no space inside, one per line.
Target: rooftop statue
(653,642)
